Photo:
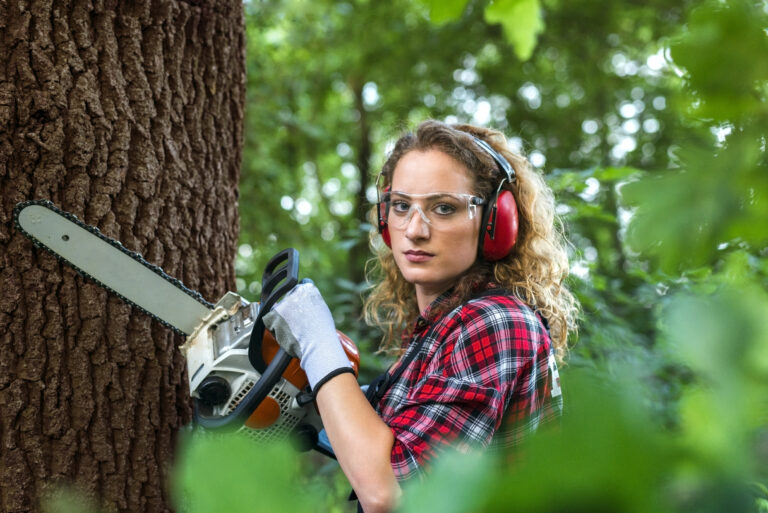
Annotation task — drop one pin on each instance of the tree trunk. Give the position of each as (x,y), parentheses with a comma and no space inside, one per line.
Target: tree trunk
(359,253)
(128,115)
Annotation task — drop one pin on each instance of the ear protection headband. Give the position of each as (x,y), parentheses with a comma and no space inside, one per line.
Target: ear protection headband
(499,224)
(500,219)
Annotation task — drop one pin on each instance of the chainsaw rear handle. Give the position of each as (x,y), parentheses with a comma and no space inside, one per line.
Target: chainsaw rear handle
(281,274)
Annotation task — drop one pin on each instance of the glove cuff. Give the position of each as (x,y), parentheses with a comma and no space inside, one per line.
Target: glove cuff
(321,364)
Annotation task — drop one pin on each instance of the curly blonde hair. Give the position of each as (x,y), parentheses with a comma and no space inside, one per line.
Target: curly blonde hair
(535,269)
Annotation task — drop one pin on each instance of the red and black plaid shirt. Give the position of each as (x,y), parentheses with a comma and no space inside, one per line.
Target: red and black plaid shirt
(485,375)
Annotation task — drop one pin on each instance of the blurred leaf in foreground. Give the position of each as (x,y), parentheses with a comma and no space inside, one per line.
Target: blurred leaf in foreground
(234,474)
(585,465)
(719,197)
(725,51)
(723,338)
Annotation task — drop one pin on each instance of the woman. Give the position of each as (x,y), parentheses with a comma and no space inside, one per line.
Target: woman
(474,303)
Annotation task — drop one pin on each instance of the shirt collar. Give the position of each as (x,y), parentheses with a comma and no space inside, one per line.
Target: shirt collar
(432,310)
(427,317)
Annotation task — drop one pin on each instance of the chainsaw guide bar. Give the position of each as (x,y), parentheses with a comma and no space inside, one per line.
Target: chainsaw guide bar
(128,275)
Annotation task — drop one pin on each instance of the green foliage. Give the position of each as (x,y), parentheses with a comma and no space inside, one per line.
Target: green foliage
(725,53)
(521,19)
(723,338)
(649,120)
(609,455)
(728,186)
(232,473)
(574,468)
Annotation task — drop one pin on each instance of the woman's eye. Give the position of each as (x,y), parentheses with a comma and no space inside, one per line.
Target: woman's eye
(444,209)
(400,206)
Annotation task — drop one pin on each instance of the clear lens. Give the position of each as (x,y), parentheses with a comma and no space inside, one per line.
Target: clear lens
(440,210)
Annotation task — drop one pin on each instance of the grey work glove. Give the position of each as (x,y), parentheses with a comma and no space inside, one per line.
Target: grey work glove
(303,326)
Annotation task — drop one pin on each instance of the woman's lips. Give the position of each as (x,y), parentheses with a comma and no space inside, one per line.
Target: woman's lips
(418,256)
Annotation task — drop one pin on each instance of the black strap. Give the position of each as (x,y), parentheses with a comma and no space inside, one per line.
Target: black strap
(381,384)
(372,392)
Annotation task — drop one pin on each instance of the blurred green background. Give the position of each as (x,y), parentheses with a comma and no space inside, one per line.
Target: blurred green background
(648,120)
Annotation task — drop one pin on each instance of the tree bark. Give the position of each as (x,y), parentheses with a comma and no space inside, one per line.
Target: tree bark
(128,115)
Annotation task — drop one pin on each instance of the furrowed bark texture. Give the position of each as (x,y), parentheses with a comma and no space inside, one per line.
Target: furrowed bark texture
(128,115)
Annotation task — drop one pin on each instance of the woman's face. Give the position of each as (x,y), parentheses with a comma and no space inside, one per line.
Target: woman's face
(434,237)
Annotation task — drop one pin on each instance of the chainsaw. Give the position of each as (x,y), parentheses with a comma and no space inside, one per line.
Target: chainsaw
(240,379)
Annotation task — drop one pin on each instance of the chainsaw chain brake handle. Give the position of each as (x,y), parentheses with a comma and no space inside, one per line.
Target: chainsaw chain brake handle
(280,276)
(276,282)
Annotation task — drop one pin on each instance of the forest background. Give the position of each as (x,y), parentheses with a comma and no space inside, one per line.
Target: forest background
(648,119)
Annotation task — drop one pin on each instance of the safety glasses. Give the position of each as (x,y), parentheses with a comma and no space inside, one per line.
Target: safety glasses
(440,210)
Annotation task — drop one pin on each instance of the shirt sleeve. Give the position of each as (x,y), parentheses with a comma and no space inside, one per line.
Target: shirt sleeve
(460,401)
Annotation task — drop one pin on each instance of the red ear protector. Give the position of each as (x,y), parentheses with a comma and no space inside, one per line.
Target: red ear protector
(500,217)
(383,228)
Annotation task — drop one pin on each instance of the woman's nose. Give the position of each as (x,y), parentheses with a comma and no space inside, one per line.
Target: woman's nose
(417,226)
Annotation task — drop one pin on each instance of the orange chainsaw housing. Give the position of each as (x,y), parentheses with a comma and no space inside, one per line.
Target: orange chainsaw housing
(268,411)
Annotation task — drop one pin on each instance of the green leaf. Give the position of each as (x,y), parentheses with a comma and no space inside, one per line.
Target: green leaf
(723,338)
(442,11)
(462,479)
(522,22)
(235,474)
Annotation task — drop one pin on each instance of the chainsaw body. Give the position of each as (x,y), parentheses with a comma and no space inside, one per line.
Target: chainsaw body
(221,376)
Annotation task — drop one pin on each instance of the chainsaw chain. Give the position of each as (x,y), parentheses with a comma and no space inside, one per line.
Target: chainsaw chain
(117,245)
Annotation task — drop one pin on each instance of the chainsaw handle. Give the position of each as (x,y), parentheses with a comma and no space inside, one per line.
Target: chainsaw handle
(280,276)
(252,399)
